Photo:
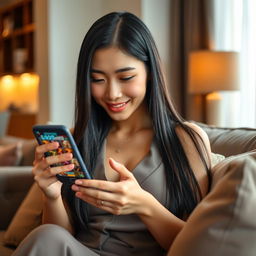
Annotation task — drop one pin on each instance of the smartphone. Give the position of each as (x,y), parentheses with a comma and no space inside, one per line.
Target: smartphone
(50,133)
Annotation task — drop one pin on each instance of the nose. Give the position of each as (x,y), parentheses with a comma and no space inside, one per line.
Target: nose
(114,90)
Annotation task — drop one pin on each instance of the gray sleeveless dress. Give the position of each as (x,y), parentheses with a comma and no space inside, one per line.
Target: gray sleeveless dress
(107,235)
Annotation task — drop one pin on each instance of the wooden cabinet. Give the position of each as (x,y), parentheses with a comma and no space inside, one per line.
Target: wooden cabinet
(17,30)
(17,33)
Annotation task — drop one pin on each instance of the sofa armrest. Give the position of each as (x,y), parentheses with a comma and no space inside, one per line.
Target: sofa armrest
(14,185)
(27,149)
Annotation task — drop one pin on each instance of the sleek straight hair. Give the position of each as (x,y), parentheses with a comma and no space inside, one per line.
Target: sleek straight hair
(92,124)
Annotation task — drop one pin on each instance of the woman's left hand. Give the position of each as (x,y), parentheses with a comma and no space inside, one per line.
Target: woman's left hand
(122,197)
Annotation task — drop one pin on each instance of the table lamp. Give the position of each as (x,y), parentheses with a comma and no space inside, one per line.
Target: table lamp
(210,72)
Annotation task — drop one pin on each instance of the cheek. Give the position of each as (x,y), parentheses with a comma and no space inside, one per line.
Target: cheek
(137,89)
(97,91)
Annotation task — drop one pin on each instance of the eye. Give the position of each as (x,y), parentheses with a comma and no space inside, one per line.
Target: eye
(127,78)
(97,80)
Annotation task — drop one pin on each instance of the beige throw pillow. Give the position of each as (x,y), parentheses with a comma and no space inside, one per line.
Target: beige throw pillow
(224,222)
(27,217)
(216,158)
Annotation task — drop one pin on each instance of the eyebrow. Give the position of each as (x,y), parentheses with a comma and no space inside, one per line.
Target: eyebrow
(116,71)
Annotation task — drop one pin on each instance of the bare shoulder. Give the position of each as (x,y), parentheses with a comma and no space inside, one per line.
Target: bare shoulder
(193,152)
(199,131)
(202,135)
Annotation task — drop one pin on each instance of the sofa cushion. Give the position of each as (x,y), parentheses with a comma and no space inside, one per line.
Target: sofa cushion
(14,185)
(216,158)
(27,217)
(230,141)
(224,222)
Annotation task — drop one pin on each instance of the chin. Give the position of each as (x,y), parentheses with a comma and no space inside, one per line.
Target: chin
(119,116)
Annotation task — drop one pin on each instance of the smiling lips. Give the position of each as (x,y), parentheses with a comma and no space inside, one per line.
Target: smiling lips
(117,107)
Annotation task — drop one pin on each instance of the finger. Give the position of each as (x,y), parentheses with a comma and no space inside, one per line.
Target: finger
(43,183)
(61,158)
(43,167)
(94,193)
(40,164)
(44,163)
(49,172)
(120,168)
(97,184)
(114,196)
(89,199)
(42,149)
(102,204)
(39,167)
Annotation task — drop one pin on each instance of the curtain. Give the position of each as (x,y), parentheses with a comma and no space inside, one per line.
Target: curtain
(234,29)
(191,29)
(247,111)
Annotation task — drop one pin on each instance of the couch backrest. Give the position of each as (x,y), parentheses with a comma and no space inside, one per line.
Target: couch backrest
(230,141)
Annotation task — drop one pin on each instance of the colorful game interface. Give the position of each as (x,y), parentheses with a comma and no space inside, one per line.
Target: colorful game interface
(64,147)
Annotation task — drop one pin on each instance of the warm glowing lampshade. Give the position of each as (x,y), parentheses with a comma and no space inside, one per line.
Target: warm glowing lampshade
(211,71)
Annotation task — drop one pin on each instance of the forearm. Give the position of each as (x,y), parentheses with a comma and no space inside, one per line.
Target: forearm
(54,212)
(162,224)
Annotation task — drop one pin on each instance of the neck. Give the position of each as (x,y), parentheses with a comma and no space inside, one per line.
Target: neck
(138,121)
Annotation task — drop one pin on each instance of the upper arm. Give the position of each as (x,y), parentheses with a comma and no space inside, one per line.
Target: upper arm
(203,139)
(193,156)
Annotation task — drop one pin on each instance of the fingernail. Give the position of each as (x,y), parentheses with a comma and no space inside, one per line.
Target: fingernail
(115,162)
(78,182)
(75,188)
(56,144)
(112,159)
(69,155)
(78,194)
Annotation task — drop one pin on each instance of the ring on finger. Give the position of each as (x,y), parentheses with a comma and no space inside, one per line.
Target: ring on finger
(100,202)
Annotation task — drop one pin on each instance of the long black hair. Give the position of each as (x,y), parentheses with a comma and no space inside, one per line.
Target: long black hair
(127,32)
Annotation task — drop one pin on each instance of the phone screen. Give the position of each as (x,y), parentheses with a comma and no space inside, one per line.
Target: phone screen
(64,147)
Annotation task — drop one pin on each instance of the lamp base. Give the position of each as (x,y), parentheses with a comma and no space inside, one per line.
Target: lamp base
(213,109)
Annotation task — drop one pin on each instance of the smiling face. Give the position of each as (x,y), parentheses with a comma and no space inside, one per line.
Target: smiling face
(118,83)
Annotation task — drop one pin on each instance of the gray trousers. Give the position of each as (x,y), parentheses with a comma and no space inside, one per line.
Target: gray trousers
(51,240)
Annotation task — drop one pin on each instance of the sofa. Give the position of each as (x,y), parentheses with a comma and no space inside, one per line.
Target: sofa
(21,205)
(15,180)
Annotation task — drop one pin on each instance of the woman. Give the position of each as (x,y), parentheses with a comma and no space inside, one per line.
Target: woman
(150,168)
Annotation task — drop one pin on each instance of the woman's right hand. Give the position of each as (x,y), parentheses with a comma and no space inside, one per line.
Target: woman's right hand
(44,175)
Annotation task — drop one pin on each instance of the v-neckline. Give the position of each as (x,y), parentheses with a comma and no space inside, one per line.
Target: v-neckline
(150,162)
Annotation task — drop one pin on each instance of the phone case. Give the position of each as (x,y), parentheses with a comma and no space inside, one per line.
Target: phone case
(49,133)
